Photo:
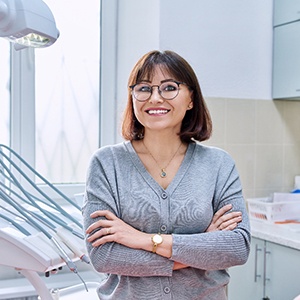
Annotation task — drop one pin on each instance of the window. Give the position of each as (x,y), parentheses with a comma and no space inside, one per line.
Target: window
(67,93)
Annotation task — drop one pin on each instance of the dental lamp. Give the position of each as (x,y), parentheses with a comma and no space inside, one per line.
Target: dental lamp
(27,23)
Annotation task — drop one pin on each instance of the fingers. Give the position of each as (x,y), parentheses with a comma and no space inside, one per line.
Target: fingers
(103,213)
(100,231)
(228,219)
(232,221)
(98,224)
(107,222)
(225,220)
(223,210)
(223,214)
(218,217)
(100,234)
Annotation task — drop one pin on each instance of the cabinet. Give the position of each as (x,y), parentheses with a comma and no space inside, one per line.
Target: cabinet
(272,272)
(286,61)
(286,50)
(286,11)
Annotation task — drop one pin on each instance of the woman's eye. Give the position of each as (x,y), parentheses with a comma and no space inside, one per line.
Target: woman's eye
(145,89)
(169,88)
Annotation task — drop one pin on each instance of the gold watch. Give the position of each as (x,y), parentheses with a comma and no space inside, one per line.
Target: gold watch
(156,240)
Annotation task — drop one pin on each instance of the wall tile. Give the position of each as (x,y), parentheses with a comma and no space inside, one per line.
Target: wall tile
(269,167)
(263,137)
(269,123)
(248,193)
(291,115)
(291,164)
(244,158)
(240,123)
(217,108)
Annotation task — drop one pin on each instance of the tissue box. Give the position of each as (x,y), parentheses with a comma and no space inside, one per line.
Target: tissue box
(281,207)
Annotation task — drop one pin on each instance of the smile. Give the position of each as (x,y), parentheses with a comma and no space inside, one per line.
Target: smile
(157,111)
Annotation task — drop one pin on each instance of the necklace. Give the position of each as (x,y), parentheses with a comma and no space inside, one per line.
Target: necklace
(163,172)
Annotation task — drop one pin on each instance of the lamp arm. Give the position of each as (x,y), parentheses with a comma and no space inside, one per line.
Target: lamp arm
(7,16)
(3,10)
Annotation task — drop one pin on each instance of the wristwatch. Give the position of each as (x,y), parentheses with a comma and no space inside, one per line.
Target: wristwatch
(156,240)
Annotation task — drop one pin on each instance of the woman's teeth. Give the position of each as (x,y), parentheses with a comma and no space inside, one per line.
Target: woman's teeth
(157,112)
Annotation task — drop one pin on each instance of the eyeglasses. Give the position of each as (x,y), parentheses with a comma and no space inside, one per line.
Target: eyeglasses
(168,90)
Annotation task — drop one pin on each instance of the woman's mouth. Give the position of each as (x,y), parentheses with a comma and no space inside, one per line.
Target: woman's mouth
(157,111)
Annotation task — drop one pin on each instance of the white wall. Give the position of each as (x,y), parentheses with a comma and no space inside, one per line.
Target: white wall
(228,43)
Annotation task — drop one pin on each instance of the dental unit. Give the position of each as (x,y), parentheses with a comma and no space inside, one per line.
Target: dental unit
(37,234)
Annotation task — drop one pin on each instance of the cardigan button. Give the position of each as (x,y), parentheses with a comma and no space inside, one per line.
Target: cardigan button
(167,290)
(163,228)
(164,195)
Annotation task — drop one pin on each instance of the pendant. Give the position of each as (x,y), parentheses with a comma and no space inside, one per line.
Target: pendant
(163,173)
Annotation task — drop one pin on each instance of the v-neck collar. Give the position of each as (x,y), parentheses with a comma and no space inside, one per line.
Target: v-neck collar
(147,176)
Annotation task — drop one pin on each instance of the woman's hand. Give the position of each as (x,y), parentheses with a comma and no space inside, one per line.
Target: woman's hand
(223,221)
(113,229)
(178,266)
(220,221)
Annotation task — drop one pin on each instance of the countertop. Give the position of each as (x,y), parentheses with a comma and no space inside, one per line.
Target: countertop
(284,234)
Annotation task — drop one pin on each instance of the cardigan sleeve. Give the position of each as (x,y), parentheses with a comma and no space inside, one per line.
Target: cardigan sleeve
(219,249)
(115,258)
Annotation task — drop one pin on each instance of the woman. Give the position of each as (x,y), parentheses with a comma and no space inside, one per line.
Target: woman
(155,205)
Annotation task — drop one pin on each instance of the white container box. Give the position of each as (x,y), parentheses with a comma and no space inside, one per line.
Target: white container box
(281,208)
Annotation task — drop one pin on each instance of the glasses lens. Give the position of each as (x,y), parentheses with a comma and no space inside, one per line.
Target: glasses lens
(142,92)
(169,90)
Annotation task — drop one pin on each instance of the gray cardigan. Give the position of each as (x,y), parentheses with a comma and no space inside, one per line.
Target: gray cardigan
(206,180)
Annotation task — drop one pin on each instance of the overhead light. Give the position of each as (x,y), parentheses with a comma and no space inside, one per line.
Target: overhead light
(27,23)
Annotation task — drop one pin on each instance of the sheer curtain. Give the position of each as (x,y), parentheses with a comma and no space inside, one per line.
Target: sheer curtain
(4,92)
(67,93)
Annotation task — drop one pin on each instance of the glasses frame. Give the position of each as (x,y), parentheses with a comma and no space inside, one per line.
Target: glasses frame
(158,89)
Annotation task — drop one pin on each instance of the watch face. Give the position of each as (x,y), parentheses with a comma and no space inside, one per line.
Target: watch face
(157,239)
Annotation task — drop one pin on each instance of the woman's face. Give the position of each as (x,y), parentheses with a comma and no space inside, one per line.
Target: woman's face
(159,114)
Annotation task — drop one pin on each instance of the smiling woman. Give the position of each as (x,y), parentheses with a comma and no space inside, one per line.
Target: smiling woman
(164,215)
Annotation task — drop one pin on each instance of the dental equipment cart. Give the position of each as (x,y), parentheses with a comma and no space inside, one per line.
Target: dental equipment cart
(39,234)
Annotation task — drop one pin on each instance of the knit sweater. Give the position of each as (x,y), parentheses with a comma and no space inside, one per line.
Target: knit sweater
(206,180)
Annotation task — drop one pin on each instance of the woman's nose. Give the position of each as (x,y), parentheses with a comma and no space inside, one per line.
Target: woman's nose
(155,95)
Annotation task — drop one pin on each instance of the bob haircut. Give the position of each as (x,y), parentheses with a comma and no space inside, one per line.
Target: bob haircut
(196,124)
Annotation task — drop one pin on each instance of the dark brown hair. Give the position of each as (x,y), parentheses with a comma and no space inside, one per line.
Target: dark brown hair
(196,123)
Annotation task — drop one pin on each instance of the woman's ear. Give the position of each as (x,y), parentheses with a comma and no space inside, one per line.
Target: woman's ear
(190,106)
